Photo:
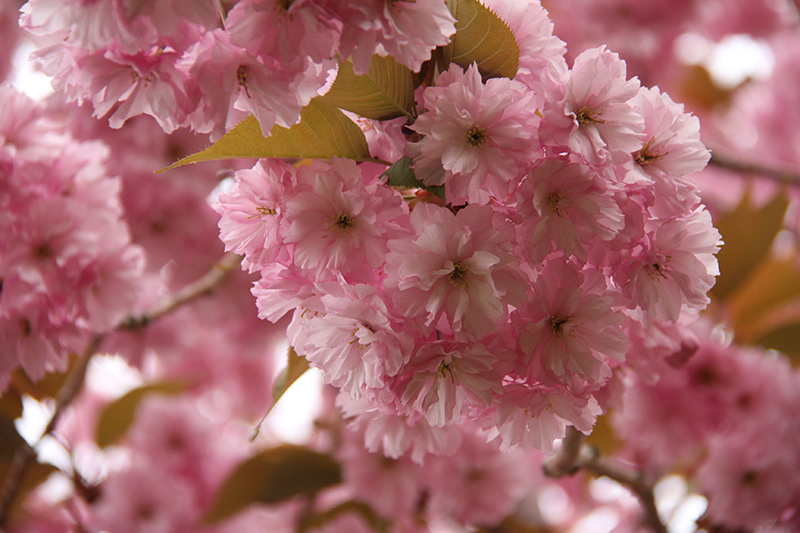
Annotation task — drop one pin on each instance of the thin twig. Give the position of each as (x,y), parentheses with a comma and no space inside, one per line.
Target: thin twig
(575,455)
(784,175)
(26,454)
(634,480)
(203,286)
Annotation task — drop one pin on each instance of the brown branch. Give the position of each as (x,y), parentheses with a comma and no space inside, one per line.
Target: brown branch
(575,455)
(26,454)
(783,175)
(201,287)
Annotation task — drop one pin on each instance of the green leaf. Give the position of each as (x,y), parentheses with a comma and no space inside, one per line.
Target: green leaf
(272,476)
(322,133)
(386,92)
(483,38)
(401,176)
(295,367)
(118,416)
(748,234)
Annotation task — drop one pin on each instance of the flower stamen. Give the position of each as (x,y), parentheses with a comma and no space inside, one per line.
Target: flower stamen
(343,223)
(587,116)
(476,136)
(458,276)
(241,76)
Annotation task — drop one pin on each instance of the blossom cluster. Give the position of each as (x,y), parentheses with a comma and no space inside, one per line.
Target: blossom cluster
(567,226)
(547,263)
(177,62)
(68,266)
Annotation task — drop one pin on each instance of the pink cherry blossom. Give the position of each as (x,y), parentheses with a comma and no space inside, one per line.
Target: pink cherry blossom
(442,378)
(565,206)
(392,486)
(458,274)
(354,342)
(395,435)
(226,83)
(675,267)
(120,84)
(479,485)
(409,31)
(540,50)
(535,416)
(283,30)
(570,329)
(339,224)
(251,213)
(589,112)
(478,138)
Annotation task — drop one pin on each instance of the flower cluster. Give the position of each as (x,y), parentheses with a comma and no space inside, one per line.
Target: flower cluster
(517,247)
(566,221)
(177,62)
(67,263)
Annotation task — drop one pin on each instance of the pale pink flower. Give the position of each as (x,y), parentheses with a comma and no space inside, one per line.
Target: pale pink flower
(565,206)
(174,437)
(569,328)
(540,50)
(280,290)
(458,274)
(386,138)
(339,224)
(251,213)
(479,485)
(145,499)
(481,135)
(35,334)
(535,416)
(121,84)
(672,149)
(105,23)
(391,486)
(443,378)
(394,435)
(283,30)
(226,83)
(750,476)
(675,267)
(408,31)
(354,342)
(588,110)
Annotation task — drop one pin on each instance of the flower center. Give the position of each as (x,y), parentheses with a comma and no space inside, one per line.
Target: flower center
(553,200)
(557,324)
(645,156)
(446,369)
(587,116)
(659,271)
(262,211)
(458,275)
(476,136)
(344,223)
(241,76)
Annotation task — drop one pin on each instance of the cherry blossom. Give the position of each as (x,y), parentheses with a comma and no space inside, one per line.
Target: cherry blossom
(458,275)
(589,111)
(478,138)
